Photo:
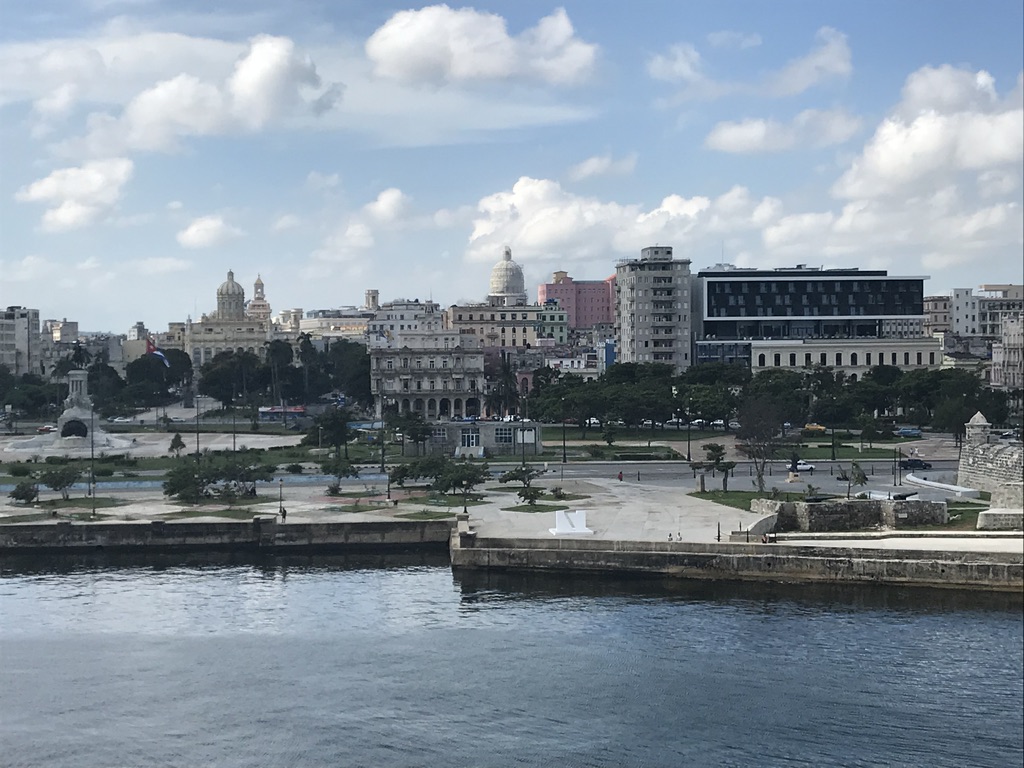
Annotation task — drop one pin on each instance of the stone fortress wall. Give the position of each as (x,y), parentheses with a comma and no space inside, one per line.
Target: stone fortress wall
(988,464)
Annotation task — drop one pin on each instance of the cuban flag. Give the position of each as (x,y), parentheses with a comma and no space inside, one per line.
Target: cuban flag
(151,349)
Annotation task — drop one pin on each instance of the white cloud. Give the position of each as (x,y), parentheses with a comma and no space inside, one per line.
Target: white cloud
(810,128)
(28,269)
(207,231)
(390,205)
(997,183)
(936,133)
(285,222)
(79,196)
(684,66)
(438,44)
(728,38)
(175,205)
(271,81)
(319,182)
(603,165)
(830,60)
(546,223)
(161,265)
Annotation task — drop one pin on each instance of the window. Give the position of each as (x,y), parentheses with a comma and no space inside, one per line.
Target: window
(777,360)
(853,358)
(867,359)
(503,435)
(470,437)
(823,358)
(919,358)
(894,358)
(390,365)
(432,363)
(760,361)
(405,362)
(906,358)
(839,358)
(931,358)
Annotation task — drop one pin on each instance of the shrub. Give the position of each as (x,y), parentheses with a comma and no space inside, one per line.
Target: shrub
(595,451)
(334,489)
(104,472)
(557,492)
(295,469)
(59,460)
(19,470)
(25,491)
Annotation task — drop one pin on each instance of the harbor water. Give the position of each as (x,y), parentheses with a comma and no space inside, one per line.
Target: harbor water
(340,661)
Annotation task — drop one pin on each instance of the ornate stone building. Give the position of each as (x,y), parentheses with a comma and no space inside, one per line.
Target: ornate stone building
(230,327)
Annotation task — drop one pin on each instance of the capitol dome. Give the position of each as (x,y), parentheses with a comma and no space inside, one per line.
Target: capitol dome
(229,287)
(230,299)
(507,282)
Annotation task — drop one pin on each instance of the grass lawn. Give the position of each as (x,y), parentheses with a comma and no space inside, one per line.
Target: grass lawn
(426,514)
(742,499)
(535,508)
(230,514)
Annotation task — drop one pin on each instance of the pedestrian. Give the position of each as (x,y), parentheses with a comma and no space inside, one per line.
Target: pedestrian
(284,514)
(620,477)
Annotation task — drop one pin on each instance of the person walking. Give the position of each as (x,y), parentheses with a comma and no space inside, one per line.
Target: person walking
(620,477)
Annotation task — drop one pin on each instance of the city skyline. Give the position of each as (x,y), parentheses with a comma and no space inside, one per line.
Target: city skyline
(151,147)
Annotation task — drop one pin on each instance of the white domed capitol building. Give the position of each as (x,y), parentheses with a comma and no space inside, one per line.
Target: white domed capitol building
(508,287)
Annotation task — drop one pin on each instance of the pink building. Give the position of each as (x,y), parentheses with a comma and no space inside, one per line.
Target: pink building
(587,302)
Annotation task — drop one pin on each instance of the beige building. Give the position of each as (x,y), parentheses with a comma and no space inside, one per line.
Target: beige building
(1008,355)
(854,357)
(19,340)
(417,365)
(228,328)
(937,317)
(981,314)
(482,326)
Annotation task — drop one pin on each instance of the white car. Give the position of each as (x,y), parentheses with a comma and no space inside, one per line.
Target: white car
(803,466)
(123,419)
(593,422)
(718,424)
(734,425)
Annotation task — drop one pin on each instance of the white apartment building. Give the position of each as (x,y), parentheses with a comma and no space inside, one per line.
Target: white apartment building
(981,314)
(653,309)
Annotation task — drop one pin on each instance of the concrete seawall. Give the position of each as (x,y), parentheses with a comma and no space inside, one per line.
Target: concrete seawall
(261,533)
(754,562)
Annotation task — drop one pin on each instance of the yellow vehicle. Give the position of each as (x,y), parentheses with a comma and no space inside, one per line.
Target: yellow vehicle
(812,427)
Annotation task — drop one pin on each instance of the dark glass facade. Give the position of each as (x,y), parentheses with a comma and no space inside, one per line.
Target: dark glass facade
(806,304)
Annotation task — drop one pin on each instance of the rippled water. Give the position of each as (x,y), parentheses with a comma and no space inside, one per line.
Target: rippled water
(338,662)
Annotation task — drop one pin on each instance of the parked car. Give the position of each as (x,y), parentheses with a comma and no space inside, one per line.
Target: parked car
(734,425)
(1010,435)
(698,423)
(648,423)
(908,432)
(592,422)
(814,427)
(914,464)
(675,422)
(718,424)
(46,428)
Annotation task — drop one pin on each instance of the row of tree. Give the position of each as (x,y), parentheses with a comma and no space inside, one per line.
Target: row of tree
(635,393)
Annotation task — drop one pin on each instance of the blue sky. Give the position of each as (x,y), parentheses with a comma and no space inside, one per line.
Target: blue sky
(147,147)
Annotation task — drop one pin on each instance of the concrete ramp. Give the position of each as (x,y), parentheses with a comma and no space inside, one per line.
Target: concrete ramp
(567,522)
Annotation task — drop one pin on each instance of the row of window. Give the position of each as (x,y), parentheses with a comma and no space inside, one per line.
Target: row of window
(458,385)
(854,359)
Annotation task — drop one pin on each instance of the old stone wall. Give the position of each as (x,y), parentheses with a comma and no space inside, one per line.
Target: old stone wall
(990,465)
(770,562)
(1009,496)
(261,532)
(850,514)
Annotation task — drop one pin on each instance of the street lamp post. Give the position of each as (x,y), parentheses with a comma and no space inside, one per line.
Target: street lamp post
(563,431)
(689,426)
(280,496)
(833,431)
(92,457)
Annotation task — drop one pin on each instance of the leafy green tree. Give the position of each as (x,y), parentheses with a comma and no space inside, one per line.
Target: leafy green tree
(524,473)
(242,471)
(230,375)
(529,495)
(331,428)
(715,461)
(414,428)
(26,492)
(177,445)
(187,482)
(759,435)
(349,364)
(61,479)
(461,477)
(340,467)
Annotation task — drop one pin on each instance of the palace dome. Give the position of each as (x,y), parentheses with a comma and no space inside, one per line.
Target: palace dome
(229,287)
(507,277)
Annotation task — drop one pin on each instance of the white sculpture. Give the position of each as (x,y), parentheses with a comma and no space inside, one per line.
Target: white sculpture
(567,522)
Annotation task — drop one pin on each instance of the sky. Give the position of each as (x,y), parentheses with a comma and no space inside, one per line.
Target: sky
(334,146)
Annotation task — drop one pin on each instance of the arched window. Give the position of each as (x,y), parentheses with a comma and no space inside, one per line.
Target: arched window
(853,358)
(760,360)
